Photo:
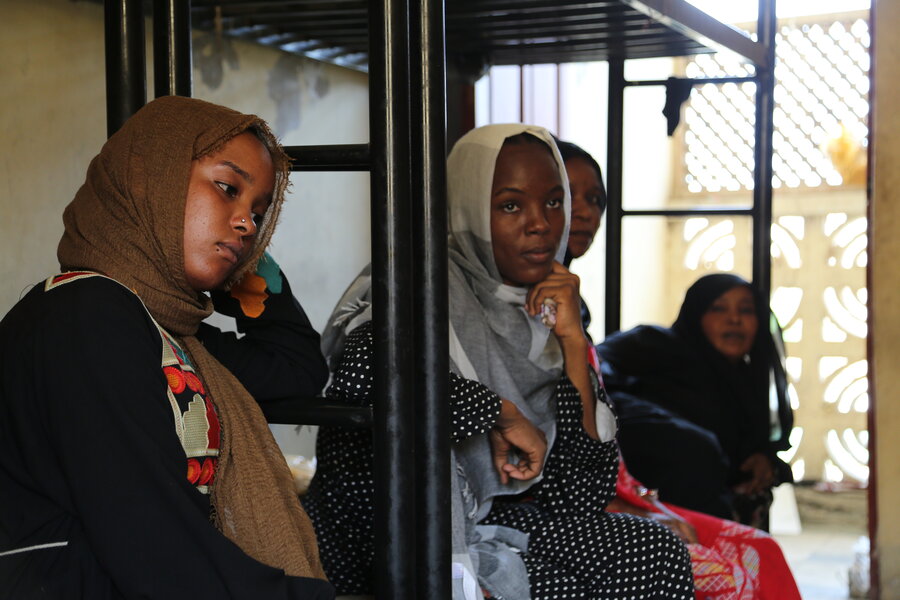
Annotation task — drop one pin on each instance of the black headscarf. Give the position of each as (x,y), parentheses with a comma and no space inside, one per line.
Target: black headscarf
(568,150)
(766,357)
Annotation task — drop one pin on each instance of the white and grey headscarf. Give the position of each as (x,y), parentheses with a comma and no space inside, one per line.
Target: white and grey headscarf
(493,340)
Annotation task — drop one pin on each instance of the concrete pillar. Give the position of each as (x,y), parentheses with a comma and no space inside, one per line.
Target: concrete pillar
(884,295)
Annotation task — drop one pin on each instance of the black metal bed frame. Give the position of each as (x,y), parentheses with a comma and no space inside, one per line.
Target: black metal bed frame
(406,159)
(762,56)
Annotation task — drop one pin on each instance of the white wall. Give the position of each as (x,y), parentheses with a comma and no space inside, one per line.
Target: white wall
(53,121)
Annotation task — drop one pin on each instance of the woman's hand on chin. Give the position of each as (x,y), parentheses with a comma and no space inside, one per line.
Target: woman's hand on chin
(514,432)
(562,287)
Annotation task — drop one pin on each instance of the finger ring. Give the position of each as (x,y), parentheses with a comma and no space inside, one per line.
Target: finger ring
(548,313)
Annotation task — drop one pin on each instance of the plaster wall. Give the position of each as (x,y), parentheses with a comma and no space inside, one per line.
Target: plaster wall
(53,122)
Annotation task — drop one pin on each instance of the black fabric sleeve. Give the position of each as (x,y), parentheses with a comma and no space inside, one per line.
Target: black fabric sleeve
(100,406)
(473,408)
(580,474)
(278,356)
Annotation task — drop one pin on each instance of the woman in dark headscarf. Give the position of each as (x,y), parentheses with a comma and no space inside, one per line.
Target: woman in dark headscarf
(132,462)
(694,401)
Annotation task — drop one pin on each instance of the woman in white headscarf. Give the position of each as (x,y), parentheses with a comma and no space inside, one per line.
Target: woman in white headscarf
(534,450)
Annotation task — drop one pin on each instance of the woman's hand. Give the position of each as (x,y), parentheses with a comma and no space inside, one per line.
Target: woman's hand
(513,431)
(762,475)
(561,286)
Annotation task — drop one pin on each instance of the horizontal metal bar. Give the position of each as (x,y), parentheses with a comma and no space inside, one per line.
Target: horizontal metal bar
(629,38)
(525,56)
(519,31)
(336,38)
(493,7)
(332,5)
(319,24)
(487,14)
(335,157)
(689,212)
(563,17)
(694,80)
(588,32)
(316,411)
(692,22)
(280,11)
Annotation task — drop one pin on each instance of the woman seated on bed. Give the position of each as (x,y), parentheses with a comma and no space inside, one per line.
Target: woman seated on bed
(694,401)
(534,449)
(729,560)
(133,464)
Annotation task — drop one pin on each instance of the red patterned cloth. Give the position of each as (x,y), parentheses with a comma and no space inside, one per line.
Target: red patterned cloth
(730,561)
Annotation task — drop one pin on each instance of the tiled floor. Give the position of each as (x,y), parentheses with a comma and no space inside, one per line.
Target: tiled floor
(821,554)
(820,558)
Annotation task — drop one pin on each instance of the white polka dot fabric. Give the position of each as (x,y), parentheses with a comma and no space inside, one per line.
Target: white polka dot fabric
(576,549)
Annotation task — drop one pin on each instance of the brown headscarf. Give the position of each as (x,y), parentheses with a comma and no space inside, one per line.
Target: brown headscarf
(127,221)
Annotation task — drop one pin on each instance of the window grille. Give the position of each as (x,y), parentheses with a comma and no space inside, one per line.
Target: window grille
(821,95)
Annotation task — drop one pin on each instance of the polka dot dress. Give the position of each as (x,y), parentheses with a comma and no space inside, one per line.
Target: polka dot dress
(339,499)
(576,549)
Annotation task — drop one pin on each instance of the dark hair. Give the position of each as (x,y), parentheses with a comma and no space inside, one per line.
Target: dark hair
(568,150)
(526,138)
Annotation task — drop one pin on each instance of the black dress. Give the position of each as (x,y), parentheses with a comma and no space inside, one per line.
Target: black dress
(688,421)
(576,549)
(96,498)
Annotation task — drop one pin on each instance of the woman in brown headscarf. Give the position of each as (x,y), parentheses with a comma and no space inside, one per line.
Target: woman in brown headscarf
(107,392)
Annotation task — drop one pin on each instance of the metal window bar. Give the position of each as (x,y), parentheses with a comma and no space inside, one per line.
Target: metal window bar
(761,211)
(409,257)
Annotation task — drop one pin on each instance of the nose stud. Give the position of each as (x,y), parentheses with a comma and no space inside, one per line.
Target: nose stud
(243,220)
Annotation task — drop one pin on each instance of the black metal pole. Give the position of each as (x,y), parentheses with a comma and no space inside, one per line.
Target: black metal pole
(334,157)
(614,147)
(172,48)
(392,287)
(762,173)
(690,212)
(693,80)
(126,70)
(428,112)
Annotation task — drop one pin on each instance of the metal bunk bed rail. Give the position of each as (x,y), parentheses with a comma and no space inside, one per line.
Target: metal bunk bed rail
(762,55)
(402,44)
(409,263)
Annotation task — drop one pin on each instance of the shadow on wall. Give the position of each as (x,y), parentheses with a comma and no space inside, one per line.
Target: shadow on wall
(289,79)
(210,52)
